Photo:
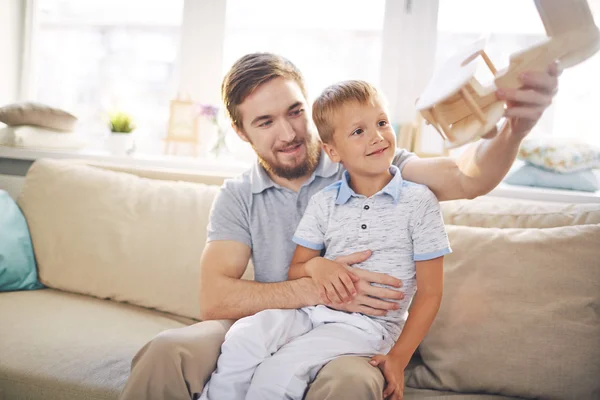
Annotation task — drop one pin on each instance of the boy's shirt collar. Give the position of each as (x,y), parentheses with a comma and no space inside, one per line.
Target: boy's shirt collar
(393,187)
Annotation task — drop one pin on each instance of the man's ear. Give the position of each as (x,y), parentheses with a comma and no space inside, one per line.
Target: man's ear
(240,132)
(331,152)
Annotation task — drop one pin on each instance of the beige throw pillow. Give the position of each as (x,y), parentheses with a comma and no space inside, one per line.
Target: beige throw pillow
(37,115)
(494,212)
(117,236)
(520,315)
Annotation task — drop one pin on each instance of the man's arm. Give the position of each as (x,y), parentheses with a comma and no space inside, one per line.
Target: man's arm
(485,163)
(224,295)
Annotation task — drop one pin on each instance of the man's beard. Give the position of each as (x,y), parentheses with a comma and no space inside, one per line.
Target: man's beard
(313,155)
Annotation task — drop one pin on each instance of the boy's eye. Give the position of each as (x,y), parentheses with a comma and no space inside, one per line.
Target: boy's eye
(357,131)
(383,122)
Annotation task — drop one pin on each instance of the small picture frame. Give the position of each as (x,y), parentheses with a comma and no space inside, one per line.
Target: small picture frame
(183,124)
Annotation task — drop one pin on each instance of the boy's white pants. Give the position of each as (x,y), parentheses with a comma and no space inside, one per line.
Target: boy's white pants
(275,354)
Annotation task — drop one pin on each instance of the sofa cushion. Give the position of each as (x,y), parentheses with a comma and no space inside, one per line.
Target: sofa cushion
(58,345)
(117,236)
(519,316)
(17,263)
(37,115)
(497,212)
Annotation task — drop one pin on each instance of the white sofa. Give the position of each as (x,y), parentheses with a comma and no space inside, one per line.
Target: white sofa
(119,256)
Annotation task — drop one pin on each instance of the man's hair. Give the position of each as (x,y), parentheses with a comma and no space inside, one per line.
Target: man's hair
(251,71)
(334,97)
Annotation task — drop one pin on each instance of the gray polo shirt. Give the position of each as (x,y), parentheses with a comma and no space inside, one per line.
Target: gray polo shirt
(254,210)
(401,224)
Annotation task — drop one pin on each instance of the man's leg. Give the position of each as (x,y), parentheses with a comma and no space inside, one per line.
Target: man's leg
(176,363)
(347,377)
(288,372)
(248,343)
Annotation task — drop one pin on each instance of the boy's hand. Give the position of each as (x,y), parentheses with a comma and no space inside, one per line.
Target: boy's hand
(393,372)
(334,282)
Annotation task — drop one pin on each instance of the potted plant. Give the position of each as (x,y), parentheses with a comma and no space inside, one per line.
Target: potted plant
(121,127)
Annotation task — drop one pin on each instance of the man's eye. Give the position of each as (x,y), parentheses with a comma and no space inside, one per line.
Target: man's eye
(297,112)
(383,122)
(357,132)
(265,124)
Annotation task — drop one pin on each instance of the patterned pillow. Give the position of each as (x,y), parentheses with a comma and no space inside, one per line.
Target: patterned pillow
(559,155)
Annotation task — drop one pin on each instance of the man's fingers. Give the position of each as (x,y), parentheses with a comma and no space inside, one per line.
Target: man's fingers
(349,285)
(367,310)
(531,113)
(354,258)
(376,277)
(526,96)
(380,292)
(331,293)
(378,304)
(340,289)
(554,69)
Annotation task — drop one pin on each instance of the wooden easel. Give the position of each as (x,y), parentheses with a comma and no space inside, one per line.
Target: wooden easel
(462,110)
(183,125)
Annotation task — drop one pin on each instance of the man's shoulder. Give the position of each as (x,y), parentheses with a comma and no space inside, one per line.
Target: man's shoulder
(237,189)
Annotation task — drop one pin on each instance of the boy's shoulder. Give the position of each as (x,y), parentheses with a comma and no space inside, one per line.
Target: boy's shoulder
(416,192)
(328,194)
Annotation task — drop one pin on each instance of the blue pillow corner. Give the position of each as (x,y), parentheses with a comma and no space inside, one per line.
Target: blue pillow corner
(18,269)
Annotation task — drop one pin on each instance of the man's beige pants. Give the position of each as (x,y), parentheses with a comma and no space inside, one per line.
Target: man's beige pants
(177,363)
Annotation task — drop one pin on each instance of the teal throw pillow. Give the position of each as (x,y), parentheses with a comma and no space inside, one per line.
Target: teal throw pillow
(17,262)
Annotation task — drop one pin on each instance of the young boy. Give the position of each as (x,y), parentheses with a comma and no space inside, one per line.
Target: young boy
(275,354)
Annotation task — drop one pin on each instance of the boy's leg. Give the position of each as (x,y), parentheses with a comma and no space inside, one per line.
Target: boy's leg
(248,343)
(176,363)
(287,373)
(347,377)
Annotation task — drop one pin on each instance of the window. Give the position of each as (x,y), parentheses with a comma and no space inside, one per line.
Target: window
(98,56)
(327,40)
(514,25)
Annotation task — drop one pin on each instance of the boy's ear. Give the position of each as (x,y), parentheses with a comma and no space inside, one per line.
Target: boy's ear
(240,132)
(331,152)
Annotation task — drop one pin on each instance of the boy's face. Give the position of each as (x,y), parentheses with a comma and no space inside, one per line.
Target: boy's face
(363,139)
(277,124)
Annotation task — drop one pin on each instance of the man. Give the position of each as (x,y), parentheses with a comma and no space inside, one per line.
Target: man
(257,214)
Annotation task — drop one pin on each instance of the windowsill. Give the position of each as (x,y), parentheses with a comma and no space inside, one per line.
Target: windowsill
(225,167)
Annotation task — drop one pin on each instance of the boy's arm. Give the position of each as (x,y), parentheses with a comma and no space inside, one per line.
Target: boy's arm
(484,164)
(424,307)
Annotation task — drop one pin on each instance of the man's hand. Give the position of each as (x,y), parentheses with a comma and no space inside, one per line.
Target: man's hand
(334,282)
(368,298)
(525,106)
(393,372)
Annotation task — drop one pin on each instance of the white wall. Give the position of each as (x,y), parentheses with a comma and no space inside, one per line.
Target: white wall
(11,33)
(12,184)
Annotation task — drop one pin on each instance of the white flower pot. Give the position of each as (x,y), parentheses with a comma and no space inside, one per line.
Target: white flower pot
(120,144)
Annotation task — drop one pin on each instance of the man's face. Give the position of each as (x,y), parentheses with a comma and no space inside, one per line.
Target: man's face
(363,139)
(276,122)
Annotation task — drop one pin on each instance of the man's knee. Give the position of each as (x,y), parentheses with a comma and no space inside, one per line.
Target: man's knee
(347,377)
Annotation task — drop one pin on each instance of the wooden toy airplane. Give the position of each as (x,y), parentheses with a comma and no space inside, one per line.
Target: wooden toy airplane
(462,110)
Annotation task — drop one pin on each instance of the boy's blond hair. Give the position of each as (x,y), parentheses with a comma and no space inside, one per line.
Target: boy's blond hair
(334,97)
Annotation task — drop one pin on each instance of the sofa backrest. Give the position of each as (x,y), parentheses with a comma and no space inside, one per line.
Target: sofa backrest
(118,236)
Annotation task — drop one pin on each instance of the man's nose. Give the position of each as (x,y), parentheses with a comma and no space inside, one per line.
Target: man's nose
(287,132)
